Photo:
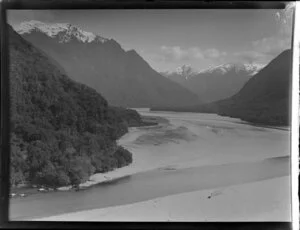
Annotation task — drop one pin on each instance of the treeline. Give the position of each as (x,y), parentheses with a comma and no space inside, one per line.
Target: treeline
(276,114)
(265,99)
(61,131)
(272,113)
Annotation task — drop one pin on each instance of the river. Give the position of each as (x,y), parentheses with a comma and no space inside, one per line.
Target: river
(190,152)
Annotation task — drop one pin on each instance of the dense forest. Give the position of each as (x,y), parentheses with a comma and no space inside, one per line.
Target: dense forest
(61,131)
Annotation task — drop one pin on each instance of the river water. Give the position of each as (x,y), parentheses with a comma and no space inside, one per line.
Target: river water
(191,152)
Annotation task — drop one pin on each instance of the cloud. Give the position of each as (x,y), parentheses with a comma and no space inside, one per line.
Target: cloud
(272,45)
(213,53)
(250,56)
(177,53)
(265,49)
(174,53)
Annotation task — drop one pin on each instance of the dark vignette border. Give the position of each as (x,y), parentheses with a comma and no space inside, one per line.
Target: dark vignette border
(5,105)
(4,115)
(143,4)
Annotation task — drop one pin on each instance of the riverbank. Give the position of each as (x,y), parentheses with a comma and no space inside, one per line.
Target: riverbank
(150,185)
(267,200)
(209,143)
(163,145)
(147,122)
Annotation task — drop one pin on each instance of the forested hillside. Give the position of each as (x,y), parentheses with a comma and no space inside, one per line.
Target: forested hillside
(264,99)
(61,131)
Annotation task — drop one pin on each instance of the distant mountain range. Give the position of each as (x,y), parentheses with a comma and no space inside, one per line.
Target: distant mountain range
(181,74)
(264,99)
(215,83)
(250,92)
(124,78)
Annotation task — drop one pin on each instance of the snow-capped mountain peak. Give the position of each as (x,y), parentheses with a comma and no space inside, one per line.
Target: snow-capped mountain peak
(251,69)
(186,71)
(63,31)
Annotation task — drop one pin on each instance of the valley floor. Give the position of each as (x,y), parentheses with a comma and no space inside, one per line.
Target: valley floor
(191,140)
(267,200)
(186,142)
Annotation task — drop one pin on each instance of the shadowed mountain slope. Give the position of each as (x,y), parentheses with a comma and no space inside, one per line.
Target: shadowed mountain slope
(216,83)
(264,99)
(62,131)
(124,78)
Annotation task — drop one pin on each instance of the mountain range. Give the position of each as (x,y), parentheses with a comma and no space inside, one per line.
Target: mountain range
(61,131)
(264,99)
(124,78)
(215,83)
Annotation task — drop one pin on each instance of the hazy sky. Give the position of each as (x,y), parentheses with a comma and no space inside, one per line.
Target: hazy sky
(167,39)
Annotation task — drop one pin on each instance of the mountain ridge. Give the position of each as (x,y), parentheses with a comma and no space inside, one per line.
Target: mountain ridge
(264,99)
(63,31)
(124,78)
(252,69)
(215,83)
(62,131)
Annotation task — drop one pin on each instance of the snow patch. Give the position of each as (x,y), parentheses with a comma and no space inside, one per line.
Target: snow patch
(65,32)
(250,69)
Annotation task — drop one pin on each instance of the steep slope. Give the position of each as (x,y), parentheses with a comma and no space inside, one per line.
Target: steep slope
(216,83)
(264,99)
(62,131)
(122,77)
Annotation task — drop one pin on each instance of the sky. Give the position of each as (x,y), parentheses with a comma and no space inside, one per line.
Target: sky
(167,39)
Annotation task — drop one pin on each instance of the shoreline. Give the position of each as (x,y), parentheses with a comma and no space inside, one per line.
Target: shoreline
(94,179)
(242,121)
(138,165)
(261,200)
(133,167)
(99,178)
(143,187)
(170,152)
